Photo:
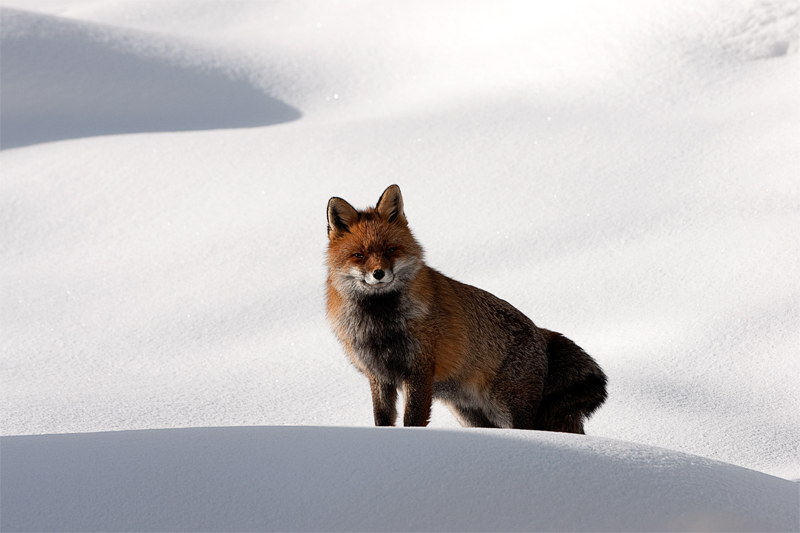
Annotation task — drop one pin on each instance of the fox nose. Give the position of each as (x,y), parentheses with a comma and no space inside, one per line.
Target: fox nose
(378,274)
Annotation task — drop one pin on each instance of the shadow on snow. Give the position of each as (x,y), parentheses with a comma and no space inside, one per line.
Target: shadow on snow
(63,80)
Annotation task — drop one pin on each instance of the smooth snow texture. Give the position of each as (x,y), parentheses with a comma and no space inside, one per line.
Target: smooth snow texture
(623,172)
(360,479)
(65,80)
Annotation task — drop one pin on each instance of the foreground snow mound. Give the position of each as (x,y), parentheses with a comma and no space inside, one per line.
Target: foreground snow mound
(376,479)
(624,172)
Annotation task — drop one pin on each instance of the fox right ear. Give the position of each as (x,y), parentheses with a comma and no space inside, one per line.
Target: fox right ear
(341,216)
(390,205)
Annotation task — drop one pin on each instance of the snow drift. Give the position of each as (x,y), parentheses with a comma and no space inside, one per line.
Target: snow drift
(367,479)
(66,79)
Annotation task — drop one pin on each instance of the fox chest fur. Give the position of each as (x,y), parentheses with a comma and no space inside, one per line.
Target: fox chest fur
(375,329)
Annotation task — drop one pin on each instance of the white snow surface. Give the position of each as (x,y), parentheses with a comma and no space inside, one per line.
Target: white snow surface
(376,479)
(625,172)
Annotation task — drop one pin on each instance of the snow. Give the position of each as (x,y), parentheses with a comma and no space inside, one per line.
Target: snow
(384,479)
(625,173)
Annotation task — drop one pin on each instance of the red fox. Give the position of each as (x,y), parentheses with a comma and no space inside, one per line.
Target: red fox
(404,324)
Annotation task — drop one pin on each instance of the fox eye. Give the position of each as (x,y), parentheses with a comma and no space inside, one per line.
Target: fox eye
(358,255)
(389,251)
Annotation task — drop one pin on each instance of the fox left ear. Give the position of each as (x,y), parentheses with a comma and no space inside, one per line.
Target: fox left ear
(390,205)
(341,216)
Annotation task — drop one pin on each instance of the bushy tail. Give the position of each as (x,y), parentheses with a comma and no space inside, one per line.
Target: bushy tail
(574,389)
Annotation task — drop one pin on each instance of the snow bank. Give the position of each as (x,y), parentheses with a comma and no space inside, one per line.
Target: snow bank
(64,80)
(376,479)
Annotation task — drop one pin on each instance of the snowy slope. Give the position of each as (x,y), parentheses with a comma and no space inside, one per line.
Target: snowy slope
(69,79)
(367,479)
(626,173)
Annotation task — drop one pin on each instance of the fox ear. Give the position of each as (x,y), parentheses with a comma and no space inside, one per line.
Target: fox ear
(390,205)
(341,216)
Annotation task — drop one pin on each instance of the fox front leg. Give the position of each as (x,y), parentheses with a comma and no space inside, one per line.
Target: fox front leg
(384,402)
(419,397)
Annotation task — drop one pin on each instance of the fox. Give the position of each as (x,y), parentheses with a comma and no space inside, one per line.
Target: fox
(408,327)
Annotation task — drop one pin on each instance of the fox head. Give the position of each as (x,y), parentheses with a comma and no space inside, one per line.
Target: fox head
(373,250)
